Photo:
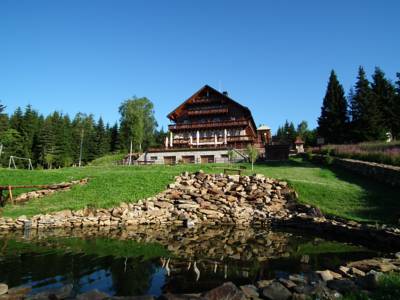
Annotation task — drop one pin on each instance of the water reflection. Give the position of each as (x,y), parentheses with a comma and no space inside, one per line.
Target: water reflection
(153,260)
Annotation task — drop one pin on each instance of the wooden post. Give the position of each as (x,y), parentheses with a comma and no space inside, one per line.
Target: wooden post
(10,196)
(2,198)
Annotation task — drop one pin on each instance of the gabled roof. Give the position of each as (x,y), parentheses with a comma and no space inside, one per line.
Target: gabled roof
(172,114)
(263,127)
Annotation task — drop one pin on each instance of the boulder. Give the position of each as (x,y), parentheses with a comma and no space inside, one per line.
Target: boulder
(92,295)
(3,288)
(250,291)
(367,265)
(226,291)
(326,275)
(276,291)
(343,286)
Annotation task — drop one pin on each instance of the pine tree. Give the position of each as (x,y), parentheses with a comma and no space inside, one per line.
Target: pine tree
(383,92)
(333,122)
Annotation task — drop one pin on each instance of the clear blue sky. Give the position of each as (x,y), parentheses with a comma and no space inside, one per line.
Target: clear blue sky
(272,56)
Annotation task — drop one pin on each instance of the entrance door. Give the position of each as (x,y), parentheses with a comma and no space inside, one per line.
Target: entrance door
(169,160)
(207,159)
(188,159)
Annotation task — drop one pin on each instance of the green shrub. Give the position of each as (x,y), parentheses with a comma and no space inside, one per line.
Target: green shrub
(328,159)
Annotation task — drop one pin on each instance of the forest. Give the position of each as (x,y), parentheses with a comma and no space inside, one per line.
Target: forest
(57,140)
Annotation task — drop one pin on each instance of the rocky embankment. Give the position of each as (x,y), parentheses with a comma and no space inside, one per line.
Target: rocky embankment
(213,199)
(192,199)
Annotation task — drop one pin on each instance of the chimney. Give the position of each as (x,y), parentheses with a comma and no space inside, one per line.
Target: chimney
(225,93)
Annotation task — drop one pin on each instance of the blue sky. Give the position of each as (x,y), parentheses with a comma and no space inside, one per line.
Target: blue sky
(272,56)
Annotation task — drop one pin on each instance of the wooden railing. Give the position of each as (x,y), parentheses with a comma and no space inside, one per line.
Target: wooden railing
(203,125)
(211,111)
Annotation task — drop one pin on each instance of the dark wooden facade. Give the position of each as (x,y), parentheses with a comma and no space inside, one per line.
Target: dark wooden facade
(212,119)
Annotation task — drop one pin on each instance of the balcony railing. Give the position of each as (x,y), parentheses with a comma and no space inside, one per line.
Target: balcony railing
(206,125)
(210,111)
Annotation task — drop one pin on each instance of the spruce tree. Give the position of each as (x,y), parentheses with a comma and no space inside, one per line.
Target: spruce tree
(384,94)
(114,139)
(396,109)
(102,141)
(333,122)
(46,143)
(3,119)
(365,116)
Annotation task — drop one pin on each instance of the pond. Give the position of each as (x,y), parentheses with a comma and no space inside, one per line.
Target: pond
(154,260)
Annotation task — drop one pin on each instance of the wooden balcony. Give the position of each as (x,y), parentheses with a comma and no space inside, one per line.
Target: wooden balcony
(208,125)
(211,142)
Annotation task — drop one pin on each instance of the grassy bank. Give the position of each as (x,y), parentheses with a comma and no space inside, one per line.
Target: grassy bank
(388,289)
(334,191)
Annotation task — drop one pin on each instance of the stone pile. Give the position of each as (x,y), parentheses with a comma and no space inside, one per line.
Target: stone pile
(192,199)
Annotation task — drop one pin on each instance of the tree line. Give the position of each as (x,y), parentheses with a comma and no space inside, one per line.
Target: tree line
(55,140)
(288,133)
(370,111)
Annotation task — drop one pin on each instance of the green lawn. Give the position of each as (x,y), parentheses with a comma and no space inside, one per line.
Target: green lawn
(334,191)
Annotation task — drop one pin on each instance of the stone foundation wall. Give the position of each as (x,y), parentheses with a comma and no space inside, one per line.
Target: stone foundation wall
(220,156)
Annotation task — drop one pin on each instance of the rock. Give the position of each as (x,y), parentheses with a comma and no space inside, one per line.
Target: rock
(132,298)
(287,283)
(250,291)
(3,288)
(297,278)
(305,259)
(276,291)
(263,283)
(19,291)
(181,297)
(344,270)
(357,272)
(369,281)
(92,295)
(367,265)
(297,296)
(226,291)
(342,285)
(397,255)
(326,275)
(60,293)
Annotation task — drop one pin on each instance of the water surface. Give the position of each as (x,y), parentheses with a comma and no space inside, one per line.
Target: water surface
(151,260)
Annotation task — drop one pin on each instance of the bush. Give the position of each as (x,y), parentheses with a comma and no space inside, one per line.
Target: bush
(328,159)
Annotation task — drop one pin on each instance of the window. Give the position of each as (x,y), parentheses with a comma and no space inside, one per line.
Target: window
(153,157)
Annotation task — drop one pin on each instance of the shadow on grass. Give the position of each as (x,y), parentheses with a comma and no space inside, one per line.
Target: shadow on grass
(382,201)
(377,202)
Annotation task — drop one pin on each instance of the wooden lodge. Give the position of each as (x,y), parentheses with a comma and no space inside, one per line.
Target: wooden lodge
(205,127)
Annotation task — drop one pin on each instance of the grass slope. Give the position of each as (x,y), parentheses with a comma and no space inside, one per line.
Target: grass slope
(334,191)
